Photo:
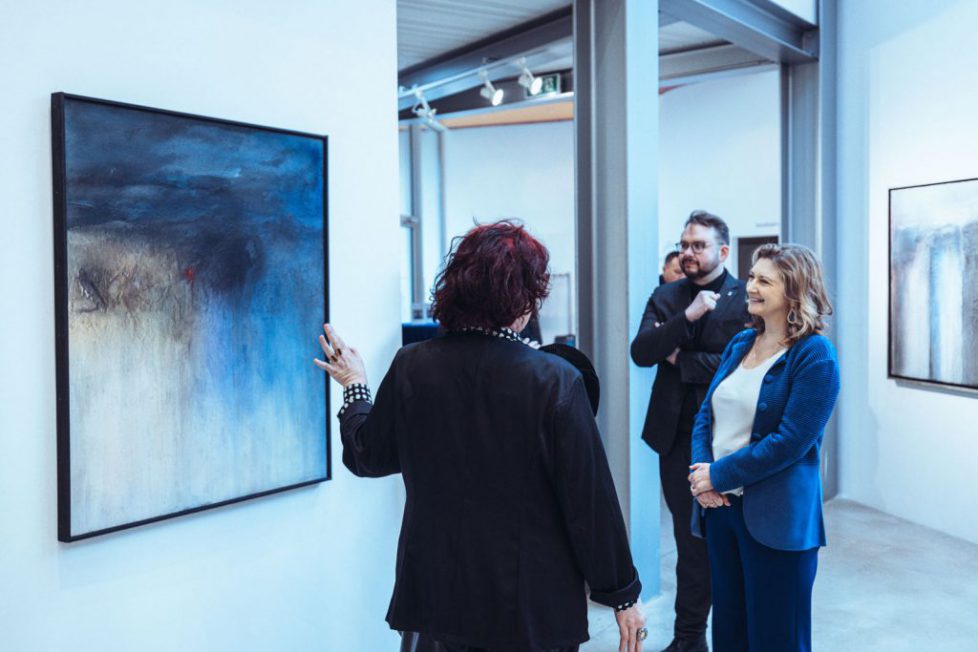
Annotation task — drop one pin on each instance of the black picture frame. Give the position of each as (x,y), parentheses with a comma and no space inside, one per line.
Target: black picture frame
(244,264)
(911,254)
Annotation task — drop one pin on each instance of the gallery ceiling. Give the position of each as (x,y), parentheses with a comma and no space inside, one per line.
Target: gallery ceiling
(443,43)
(428,29)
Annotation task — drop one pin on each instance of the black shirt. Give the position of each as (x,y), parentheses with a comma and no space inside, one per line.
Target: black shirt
(690,403)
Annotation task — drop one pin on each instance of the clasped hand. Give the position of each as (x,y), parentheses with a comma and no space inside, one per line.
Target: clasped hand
(702,487)
(705,301)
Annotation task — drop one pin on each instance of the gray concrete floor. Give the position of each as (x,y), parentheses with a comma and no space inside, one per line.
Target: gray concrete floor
(883,584)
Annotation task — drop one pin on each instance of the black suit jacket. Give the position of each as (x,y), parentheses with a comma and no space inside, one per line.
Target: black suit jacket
(700,344)
(510,503)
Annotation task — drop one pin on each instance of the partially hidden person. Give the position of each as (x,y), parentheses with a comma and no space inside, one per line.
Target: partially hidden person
(672,269)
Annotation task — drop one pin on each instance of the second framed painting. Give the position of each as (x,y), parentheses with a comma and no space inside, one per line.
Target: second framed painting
(934,283)
(190,271)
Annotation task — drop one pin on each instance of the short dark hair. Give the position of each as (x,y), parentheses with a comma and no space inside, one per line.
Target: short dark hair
(669,257)
(705,218)
(495,274)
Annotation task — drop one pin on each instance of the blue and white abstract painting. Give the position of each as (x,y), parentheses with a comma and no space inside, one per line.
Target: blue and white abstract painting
(934,283)
(194,284)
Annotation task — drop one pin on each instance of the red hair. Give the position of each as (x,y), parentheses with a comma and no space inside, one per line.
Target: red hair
(495,274)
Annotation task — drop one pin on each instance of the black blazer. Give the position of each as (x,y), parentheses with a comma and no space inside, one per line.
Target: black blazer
(701,347)
(510,504)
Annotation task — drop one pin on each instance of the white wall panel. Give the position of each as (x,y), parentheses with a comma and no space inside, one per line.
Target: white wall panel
(310,569)
(520,171)
(719,150)
(906,116)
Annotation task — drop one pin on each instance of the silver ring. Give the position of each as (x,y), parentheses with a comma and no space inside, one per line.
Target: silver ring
(642,634)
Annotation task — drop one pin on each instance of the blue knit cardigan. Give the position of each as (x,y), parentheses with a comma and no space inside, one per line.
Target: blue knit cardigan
(779,468)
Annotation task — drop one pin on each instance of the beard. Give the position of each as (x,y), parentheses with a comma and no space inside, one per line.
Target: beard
(699,270)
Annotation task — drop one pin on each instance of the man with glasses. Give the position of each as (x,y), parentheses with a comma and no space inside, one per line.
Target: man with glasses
(684,330)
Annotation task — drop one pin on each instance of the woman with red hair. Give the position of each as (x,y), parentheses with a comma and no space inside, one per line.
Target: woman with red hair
(511,510)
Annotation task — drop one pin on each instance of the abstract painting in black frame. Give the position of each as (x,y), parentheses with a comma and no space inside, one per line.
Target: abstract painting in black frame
(190,278)
(933,321)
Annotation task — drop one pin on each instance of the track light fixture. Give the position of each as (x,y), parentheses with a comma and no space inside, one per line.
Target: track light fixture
(424,111)
(488,91)
(528,80)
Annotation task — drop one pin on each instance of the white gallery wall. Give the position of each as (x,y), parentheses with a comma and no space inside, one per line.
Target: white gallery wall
(522,171)
(309,569)
(720,150)
(906,116)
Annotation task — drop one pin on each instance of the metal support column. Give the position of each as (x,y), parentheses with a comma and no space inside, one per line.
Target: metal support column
(417,210)
(616,114)
(829,220)
(800,220)
(808,214)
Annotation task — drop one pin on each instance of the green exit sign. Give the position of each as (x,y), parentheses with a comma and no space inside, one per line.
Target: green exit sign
(549,85)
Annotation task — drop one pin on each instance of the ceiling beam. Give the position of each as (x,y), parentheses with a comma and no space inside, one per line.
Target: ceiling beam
(696,65)
(665,20)
(759,26)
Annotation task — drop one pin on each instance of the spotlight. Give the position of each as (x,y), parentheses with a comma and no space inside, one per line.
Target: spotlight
(528,80)
(490,92)
(424,111)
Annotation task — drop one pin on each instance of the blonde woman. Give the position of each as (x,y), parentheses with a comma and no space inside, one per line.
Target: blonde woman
(755,452)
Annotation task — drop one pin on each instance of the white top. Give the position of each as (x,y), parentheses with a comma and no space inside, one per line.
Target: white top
(734,404)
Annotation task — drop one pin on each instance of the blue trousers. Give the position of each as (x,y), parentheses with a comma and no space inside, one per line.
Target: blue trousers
(762,597)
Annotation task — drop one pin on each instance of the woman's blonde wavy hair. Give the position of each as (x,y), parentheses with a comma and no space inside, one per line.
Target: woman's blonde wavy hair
(804,289)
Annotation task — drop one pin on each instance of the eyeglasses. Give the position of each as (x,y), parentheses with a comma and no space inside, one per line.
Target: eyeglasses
(698,246)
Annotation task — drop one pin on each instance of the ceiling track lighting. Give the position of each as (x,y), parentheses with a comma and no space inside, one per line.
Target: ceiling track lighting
(532,84)
(527,79)
(488,91)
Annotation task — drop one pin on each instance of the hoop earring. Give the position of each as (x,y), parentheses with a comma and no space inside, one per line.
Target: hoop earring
(793,318)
